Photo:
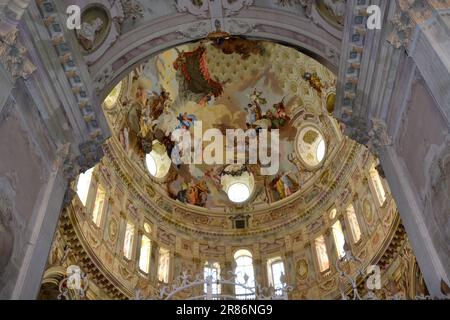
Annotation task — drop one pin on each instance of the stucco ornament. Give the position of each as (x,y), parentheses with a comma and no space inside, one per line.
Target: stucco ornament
(202,9)
(88,33)
(336,7)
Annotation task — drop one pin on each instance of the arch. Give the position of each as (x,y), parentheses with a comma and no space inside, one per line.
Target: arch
(163,33)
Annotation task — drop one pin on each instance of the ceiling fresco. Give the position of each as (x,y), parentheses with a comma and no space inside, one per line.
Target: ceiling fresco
(226,83)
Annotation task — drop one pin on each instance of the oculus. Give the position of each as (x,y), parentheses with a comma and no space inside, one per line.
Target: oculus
(311,147)
(238,192)
(238,183)
(157,161)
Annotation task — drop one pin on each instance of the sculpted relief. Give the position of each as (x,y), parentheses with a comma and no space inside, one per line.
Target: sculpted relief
(333,11)
(95,25)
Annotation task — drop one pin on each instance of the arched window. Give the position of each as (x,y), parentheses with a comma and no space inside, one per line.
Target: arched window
(83,184)
(144,256)
(322,255)
(99,205)
(354,225)
(163,266)
(339,238)
(244,275)
(212,270)
(276,275)
(377,185)
(128,241)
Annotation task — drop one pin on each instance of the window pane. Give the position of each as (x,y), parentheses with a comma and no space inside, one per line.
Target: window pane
(128,241)
(276,274)
(84,181)
(378,186)
(163,267)
(243,271)
(98,206)
(322,255)
(212,271)
(354,225)
(339,238)
(144,257)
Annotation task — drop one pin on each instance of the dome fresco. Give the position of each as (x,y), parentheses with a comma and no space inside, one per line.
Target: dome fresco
(226,84)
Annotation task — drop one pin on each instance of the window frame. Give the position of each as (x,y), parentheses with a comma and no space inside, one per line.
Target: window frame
(97,215)
(166,276)
(216,287)
(320,263)
(251,283)
(131,244)
(271,276)
(149,254)
(340,253)
(89,175)
(352,225)
(377,183)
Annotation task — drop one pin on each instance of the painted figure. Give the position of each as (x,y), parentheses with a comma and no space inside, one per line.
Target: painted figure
(186,120)
(194,77)
(194,193)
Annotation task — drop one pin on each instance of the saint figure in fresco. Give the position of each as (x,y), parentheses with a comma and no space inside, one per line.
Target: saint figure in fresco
(193,193)
(283,185)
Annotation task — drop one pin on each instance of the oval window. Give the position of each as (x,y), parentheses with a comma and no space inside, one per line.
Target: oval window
(311,147)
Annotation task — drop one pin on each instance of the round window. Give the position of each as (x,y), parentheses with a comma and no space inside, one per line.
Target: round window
(157,161)
(238,192)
